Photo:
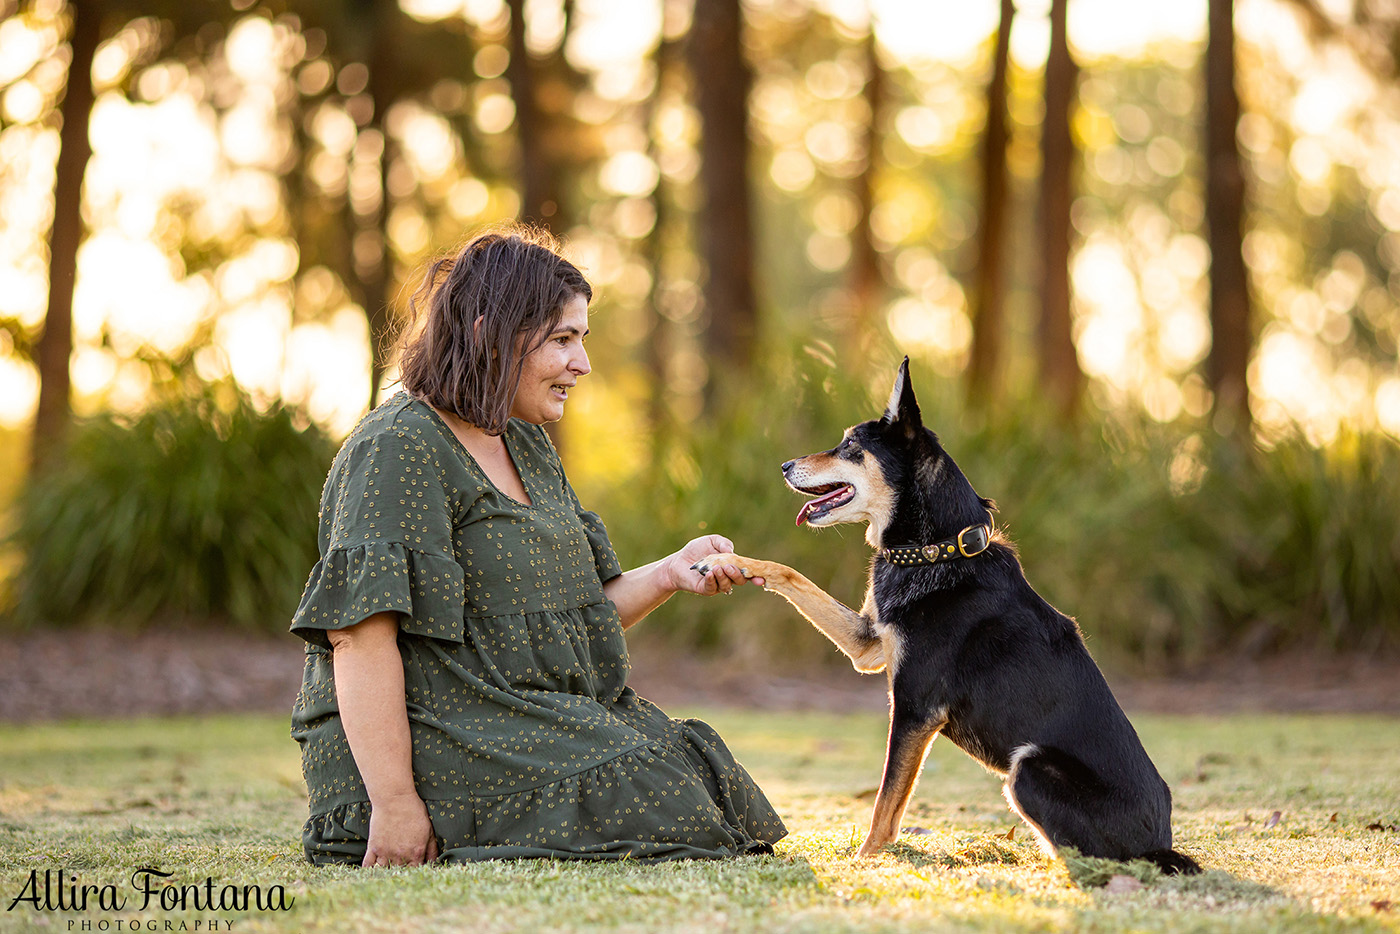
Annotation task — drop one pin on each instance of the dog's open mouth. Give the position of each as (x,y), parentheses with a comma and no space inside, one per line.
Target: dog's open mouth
(828,498)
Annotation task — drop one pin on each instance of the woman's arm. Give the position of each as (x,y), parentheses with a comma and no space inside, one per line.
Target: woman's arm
(369,690)
(639,591)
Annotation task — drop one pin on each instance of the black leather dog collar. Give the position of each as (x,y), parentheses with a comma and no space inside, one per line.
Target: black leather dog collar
(968,543)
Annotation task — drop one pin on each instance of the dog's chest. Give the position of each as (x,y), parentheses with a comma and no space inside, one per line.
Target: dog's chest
(902,614)
(894,590)
(886,612)
(891,645)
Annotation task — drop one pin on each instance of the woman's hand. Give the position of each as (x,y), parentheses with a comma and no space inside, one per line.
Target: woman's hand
(400,833)
(721,579)
(637,592)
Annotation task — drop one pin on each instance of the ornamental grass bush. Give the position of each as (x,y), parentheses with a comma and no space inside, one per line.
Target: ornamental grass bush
(1314,552)
(200,506)
(1167,543)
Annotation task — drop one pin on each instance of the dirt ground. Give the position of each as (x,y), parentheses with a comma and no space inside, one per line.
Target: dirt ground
(48,676)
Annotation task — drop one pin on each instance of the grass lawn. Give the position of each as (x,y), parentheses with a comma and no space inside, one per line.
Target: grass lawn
(222,798)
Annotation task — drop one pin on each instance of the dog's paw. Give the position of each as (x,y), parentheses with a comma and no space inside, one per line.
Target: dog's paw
(869,849)
(710,562)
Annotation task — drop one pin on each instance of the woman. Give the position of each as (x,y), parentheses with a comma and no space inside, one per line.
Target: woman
(465,688)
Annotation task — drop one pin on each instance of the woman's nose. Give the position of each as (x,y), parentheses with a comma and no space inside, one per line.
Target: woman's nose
(580,365)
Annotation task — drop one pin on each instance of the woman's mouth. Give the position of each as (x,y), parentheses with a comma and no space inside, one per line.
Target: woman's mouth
(561,390)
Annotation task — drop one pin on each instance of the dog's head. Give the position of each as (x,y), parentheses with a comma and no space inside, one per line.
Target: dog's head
(885,472)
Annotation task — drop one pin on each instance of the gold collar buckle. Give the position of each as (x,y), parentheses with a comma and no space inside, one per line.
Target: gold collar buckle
(980,544)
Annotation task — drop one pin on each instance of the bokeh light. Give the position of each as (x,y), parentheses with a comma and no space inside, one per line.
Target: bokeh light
(193,237)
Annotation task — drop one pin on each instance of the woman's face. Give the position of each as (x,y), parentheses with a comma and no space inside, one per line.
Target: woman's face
(552,369)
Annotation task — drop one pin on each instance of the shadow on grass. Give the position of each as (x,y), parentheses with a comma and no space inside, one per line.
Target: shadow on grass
(1088,873)
(980,852)
(1107,877)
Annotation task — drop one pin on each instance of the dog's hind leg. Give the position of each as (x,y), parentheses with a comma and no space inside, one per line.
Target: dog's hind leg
(904,759)
(1059,797)
(852,632)
(1009,792)
(1069,804)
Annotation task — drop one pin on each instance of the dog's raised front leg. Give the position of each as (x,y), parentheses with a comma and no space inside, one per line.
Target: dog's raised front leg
(904,758)
(852,632)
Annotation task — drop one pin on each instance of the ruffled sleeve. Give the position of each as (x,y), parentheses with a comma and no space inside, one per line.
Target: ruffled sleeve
(386,544)
(603,556)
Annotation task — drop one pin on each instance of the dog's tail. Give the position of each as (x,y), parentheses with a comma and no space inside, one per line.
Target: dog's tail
(1171,862)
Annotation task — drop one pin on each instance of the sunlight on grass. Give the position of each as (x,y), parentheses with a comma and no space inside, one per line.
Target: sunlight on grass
(222,798)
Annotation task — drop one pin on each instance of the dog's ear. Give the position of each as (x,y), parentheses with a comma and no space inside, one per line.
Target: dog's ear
(903,409)
(901,383)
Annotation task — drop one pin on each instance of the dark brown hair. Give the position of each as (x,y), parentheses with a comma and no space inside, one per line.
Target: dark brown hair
(478,314)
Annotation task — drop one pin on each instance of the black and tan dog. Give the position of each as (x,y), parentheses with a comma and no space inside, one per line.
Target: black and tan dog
(971,651)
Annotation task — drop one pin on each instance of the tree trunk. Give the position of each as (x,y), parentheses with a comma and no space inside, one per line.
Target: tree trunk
(867,279)
(984,365)
(377,278)
(721,80)
(539,187)
(1059,365)
(55,346)
(1229,285)
(658,348)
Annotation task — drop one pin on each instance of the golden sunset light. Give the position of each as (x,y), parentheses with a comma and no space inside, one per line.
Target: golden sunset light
(167,167)
(424,368)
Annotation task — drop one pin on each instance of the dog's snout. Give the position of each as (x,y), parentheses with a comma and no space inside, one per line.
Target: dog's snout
(788,466)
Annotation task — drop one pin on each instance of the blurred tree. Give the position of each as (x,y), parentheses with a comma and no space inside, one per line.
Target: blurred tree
(546,137)
(1059,364)
(399,58)
(539,187)
(1231,338)
(90,21)
(543,91)
(657,350)
(721,79)
(370,252)
(867,280)
(1371,29)
(55,345)
(384,57)
(988,294)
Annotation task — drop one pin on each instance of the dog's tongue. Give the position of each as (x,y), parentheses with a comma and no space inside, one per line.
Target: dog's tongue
(811,504)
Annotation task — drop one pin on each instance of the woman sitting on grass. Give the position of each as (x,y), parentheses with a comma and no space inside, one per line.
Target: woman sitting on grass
(465,691)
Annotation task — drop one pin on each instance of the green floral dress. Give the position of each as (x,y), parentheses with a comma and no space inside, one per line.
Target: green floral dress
(526,739)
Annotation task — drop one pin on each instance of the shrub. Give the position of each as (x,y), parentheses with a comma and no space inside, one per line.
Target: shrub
(1314,551)
(1165,542)
(199,506)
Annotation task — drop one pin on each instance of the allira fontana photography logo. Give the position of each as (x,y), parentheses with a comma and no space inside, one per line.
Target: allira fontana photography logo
(147,889)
